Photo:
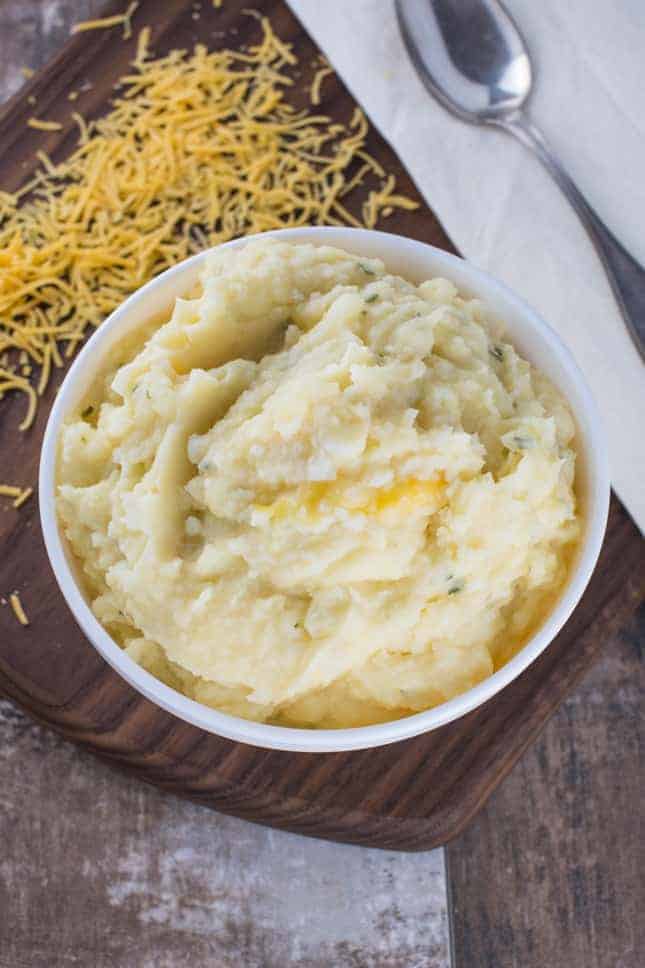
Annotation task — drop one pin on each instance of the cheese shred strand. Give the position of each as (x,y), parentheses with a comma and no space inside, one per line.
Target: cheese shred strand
(41,125)
(198,147)
(9,490)
(23,497)
(120,19)
(18,610)
(319,77)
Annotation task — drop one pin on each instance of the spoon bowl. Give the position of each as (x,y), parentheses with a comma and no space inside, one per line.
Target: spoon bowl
(472,58)
(481,70)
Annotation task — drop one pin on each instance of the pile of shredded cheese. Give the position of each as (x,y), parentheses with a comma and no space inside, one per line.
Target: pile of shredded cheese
(198,148)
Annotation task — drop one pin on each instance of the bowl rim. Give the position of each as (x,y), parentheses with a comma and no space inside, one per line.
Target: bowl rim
(352,738)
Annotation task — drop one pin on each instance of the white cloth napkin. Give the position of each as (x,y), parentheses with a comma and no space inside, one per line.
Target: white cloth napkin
(498,205)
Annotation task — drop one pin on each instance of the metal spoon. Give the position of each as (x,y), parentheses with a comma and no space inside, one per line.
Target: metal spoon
(472,58)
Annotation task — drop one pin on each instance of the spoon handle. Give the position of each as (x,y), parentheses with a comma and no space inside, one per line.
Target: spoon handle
(626,276)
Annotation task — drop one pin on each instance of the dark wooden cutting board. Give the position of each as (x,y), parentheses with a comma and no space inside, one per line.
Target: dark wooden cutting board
(411,796)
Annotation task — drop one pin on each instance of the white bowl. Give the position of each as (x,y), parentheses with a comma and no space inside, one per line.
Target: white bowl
(415,261)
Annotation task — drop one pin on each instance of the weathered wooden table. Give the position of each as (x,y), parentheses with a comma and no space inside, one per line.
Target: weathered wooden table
(98,870)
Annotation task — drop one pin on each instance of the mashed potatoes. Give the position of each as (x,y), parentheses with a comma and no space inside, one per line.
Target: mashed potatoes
(320,495)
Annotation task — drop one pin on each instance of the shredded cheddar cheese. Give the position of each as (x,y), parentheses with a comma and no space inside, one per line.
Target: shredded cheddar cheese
(9,490)
(10,380)
(143,42)
(23,497)
(41,125)
(319,77)
(102,23)
(198,147)
(19,494)
(18,610)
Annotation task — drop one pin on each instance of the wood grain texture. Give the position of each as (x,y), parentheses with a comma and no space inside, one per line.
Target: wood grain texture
(412,796)
(100,871)
(551,871)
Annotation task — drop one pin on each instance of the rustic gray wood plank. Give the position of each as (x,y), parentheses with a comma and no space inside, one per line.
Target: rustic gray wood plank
(99,870)
(31,31)
(550,874)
